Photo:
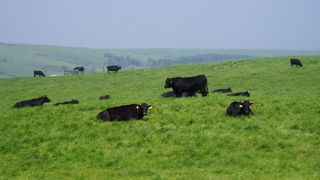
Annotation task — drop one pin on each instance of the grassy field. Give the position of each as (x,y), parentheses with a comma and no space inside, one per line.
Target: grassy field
(18,60)
(184,138)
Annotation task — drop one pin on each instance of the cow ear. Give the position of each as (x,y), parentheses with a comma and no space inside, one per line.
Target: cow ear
(240,105)
(150,107)
(137,107)
(252,104)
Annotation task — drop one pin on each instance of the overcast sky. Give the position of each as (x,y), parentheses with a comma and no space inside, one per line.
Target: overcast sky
(210,24)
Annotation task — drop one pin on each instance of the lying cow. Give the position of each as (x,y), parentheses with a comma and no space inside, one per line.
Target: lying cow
(125,113)
(73,101)
(246,93)
(223,90)
(32,102)
(104,97)
(80,69)
(39,73)
(113,68)
(239,108)
(188,84)
(172,94)
(296,62)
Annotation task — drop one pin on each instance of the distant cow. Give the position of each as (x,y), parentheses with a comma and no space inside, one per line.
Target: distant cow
(80,69)
(104,97)
(125,113)
(223,90)
(32,102)
(239,108)
(172,94)
(296,62)
(39,73)
(73,101)
(113,68)
(246,93)
(188,84)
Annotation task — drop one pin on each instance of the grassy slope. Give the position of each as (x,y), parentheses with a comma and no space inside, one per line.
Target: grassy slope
(188,138)
(23,59)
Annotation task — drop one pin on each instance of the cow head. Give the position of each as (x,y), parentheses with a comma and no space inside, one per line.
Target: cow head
(169,83)
(245,107)
(119,67)
(45,99)
(145,107)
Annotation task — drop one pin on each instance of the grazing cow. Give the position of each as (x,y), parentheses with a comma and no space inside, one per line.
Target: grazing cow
(80,69)
(73,101)
(188,84)
(113,68)
(223,90)
(32,102)
(39,73)
(172,94)
(296,62)
(125,113)
(239,108)
(246,93)
(104,97)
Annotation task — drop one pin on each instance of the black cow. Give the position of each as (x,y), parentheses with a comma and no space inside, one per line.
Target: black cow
(81,69)
(188,84)
(246,93)
(113,68)
(296,62)
(104,97)
(39,73)
(73,101)
(32,102)
(239,108)
(125,113)
(172,94)
(223,90)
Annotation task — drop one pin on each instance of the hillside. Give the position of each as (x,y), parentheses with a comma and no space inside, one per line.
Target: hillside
(18,60)
(184,138)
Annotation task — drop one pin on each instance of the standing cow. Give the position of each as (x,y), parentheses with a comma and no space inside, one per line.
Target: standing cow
(125,113)
(113,68)
(80,69)
(32,102)
(296,62)
(39,73)
(188,84)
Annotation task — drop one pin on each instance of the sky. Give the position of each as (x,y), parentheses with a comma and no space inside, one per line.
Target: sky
(203,24)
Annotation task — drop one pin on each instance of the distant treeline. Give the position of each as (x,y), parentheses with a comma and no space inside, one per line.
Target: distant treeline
(127,61)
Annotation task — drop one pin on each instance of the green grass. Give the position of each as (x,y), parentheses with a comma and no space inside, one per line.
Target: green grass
(186,138)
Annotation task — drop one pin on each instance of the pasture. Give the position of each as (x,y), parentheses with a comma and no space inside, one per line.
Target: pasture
(180,138)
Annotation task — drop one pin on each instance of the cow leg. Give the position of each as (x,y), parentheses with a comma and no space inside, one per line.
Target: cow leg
(178,93)
(203,92)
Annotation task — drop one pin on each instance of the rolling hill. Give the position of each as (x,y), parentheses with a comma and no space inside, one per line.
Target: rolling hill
(18,60)
(183,138)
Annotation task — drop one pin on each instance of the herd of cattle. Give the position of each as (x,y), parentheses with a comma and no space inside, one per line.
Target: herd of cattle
(79,70)
(181,86)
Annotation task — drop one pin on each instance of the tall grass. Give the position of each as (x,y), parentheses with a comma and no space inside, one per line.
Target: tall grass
(184,138)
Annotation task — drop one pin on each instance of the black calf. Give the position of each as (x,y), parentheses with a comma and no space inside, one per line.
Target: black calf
(32,102)
(246,93)
(73,101)
(125,113)
(239,108)
(223,90)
